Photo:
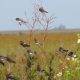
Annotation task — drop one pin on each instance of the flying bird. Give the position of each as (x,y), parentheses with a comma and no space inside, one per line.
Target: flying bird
(20,21)
(42,10)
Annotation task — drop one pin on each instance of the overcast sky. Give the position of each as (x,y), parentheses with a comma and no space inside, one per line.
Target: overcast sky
(67,12)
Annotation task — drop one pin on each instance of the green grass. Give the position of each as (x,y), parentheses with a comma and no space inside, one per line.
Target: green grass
(10,47)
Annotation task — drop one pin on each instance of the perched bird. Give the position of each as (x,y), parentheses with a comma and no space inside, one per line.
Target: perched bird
(72,54)
(10,60)
(42,10)
(30,52)
(63,50)
(10,77)
(2,58)
(20,21)
(24,44)
(37,42)
(2,63)
(39,69)
(29,63)
(67,52)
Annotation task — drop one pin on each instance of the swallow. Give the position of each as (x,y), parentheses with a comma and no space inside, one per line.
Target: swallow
(37,42)
(30,52)
(29,64)
(24,44)
(2,58)
(2,63)
(20,21)
(10,77)
(10,60)
(39,69)
(72,54)
(63,50)
(42,10)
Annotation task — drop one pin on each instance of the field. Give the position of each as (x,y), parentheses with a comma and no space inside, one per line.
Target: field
(47,63)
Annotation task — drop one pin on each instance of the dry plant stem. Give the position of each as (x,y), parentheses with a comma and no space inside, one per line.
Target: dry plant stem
(42,49)
(45,34)
(31,34)
(9,68)
(62,66)
(32,26)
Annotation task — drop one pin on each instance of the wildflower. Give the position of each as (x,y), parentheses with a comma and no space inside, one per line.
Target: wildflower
(59,74)
(68,72)
(68,58)
(55,77)
(66,67)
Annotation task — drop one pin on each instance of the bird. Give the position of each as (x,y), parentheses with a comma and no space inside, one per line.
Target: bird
(21,21)
(42,10)
(61,49)
(29,64)
(72,54)
(10,77)
(2,63)
(2,58)
(39,69)
(29,52)
(24,44)
(10,60)
(37,42)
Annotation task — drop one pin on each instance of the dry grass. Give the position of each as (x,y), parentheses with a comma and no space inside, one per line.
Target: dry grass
(9,46)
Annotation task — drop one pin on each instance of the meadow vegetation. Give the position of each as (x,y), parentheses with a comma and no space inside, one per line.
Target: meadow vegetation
(47,63)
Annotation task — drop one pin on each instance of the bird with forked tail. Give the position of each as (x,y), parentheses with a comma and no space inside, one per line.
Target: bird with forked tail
(10,77)
(2,59)
(24,44)
(42,10)
(21,21)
